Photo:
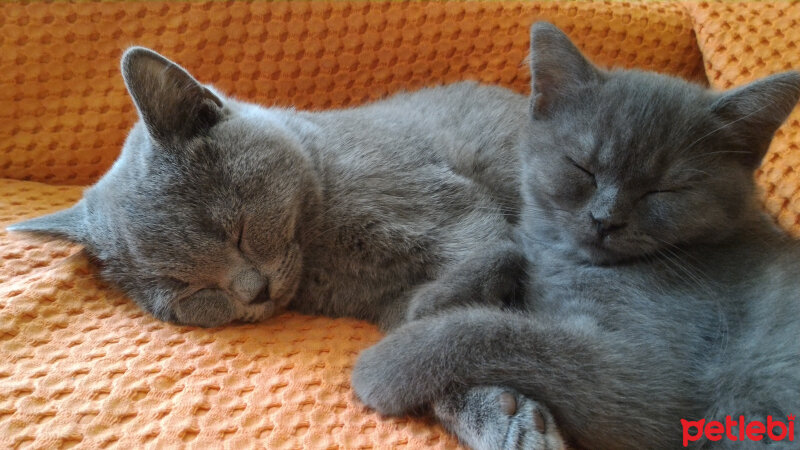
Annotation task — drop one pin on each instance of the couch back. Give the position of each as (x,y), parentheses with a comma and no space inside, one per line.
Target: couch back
(64,112)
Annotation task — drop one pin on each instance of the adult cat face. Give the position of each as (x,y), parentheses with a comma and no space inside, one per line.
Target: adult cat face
(623,164)
(198,220)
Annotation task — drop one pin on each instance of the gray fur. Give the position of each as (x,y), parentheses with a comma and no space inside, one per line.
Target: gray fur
(488,417)
(658,289)
(219,210)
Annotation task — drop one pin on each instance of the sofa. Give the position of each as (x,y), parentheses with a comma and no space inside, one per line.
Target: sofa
(82,366)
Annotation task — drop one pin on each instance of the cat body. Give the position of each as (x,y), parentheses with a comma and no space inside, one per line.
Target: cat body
(410,186)
(689,334)
(220,210)
(658,291)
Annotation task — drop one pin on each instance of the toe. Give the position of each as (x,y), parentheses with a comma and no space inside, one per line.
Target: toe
(539,421)
(508,403)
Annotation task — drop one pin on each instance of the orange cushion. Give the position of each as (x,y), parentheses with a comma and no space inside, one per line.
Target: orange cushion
(745,41)
(64,110)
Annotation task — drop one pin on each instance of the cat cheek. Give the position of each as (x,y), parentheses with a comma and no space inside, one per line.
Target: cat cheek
(284,273)
(571,192)
(662,220)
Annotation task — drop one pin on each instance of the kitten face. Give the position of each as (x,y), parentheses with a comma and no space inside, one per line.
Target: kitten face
(624,164)
(221,218)
(199,219)
(620,183)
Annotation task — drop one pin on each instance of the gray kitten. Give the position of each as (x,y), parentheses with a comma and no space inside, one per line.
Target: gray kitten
(659,292)
(219,210)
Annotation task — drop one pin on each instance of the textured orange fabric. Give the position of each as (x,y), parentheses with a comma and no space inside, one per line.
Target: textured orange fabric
(64,111)
(745,41)
(81,365)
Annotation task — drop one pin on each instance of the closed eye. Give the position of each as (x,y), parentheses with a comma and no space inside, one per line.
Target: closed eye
(582,169)
(240,237)
(176,283)
(663,191)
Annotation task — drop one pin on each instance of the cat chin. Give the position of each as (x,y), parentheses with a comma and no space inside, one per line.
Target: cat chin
(582,250)
(598,254)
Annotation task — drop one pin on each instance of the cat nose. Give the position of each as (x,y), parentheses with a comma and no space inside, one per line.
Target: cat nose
(605,225)
(247,284)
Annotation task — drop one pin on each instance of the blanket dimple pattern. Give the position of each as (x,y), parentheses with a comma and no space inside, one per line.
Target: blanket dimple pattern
(745,41)
(81,366)
(64,111)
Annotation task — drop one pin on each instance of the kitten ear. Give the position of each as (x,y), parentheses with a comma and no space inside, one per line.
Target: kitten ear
(67,224)
(756,110)
(172,104)
(557,68)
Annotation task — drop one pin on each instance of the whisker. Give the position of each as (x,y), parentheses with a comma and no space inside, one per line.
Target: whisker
(722,127)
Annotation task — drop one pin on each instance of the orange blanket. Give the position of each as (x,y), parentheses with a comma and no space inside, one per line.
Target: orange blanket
(81,365)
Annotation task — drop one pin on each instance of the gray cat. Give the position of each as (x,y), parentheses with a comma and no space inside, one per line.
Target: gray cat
(219,210)
(659,294)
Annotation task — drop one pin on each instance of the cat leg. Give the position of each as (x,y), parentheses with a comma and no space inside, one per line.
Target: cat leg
(487,417)
(490,417)
(603,392)
(491,275)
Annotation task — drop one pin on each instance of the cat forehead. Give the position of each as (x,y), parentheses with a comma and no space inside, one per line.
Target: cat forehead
(645,112)
(637,126)
(641,97)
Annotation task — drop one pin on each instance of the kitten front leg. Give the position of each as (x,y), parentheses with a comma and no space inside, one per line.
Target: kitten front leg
(486,417)
(491,275)
(576,368)
(491,417)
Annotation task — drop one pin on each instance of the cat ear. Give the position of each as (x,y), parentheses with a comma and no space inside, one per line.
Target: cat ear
(557,68)
(172,104)
(67,224)
(756,110)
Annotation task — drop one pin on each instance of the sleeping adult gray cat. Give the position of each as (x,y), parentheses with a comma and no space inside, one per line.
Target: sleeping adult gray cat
(219,210)
(658,290)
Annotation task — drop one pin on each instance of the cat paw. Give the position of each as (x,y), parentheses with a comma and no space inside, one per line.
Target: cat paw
(489,418)
(254,312)
(213,308)
(382,383)
(205,308)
